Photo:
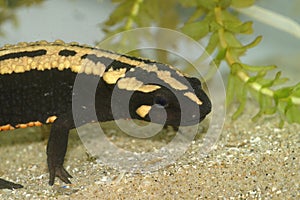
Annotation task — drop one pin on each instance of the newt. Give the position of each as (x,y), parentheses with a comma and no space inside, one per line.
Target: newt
(37,86)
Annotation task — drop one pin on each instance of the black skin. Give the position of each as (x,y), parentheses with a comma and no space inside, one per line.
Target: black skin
(55,95)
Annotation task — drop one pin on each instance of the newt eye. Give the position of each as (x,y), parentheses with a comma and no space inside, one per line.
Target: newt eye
(160,101)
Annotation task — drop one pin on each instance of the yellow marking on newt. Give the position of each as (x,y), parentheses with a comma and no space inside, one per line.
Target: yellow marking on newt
(25,125)
(6,127)
(143,110)
(165,76)
(53,60)
(111,76)
(132,84)
(193,97)
(29,124)
(51,119)
(78,65)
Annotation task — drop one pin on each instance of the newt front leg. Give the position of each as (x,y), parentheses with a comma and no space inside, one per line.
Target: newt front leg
(57,147)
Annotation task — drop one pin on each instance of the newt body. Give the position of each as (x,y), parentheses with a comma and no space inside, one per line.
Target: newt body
(37,80)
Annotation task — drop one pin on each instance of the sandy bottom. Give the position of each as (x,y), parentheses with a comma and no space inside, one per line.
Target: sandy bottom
(249,161)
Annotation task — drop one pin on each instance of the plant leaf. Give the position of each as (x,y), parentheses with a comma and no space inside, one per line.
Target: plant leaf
(196,15)
(212,43)
(232,40)
(121,12)
(224,3)
(230,94)
(188,3)
(238,27)
(196,30)
(242,3)
(207,4)
(254,43)
(257,68)
(242,96)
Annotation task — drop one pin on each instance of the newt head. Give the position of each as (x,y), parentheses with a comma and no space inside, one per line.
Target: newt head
(162,95)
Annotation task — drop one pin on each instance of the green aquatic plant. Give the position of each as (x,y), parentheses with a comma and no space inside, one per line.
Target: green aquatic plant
(218,21)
